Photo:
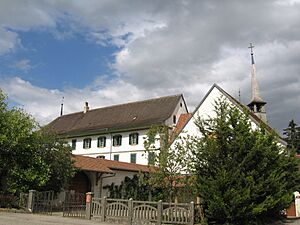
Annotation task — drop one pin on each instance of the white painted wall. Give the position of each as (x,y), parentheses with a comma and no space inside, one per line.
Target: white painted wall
(297,203)
(117,179)
(109,151)
(179,109)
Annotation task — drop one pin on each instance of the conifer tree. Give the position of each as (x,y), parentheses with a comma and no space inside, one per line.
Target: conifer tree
(292,138)
(242,175)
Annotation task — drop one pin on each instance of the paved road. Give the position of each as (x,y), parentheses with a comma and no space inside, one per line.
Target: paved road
(7,218)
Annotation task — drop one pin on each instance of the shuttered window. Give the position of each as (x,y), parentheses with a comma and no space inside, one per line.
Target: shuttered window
(117,140)
(101,143)
(73,144)
(133,157)
(133,139)
(87,143)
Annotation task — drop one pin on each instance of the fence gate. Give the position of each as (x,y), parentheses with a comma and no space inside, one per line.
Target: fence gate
(43,202)
(74,205)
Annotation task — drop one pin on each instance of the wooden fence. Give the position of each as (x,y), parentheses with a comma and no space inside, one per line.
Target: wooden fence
(134,212)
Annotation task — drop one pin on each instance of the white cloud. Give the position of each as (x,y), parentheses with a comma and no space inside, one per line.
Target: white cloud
(168,47)
(23,65)
(8,41)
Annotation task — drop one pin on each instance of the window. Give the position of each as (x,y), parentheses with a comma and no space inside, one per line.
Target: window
(101,142)
(87,143)
(116,157)
(174,119)
(101,157)
(133,157)
(151,158)
(180,104)
(133,139)
(73,144)
(117,140)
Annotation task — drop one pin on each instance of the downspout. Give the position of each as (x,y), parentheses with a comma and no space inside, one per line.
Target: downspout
(111,144)
(112,175)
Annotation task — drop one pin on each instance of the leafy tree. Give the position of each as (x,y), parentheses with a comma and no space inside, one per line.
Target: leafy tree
(30,157)
(292,138)
(169,163)
(242,175)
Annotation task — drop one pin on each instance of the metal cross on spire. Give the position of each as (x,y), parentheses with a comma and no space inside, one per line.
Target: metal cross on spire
(251,47)
(252,58)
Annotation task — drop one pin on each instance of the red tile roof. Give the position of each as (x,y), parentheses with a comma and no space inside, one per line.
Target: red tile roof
(90,164)
(183,119)
(116,165)
(106,166)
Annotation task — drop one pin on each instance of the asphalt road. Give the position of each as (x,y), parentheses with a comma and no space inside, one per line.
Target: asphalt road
(9,218)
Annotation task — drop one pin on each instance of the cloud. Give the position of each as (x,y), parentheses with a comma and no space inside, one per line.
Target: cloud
(44,104)
(167,47)
(23,65)
(8,41)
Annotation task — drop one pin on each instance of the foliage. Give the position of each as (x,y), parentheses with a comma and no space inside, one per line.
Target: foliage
(242,175)
(30,157)
(130,188)
(169,163)
(292,138)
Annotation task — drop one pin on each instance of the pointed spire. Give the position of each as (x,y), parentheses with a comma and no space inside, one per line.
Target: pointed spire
(255,93)
(257,104)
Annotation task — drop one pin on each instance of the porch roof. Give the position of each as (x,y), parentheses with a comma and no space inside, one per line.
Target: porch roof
(106,166)
(90,164)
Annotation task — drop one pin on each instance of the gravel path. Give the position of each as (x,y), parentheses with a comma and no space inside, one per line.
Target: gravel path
(7,218)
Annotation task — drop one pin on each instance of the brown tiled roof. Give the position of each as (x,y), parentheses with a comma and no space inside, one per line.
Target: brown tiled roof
(106,166)
(90,164)
(124,116)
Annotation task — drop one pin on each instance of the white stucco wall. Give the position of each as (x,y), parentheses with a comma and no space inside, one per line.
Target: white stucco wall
(116,179)
(179,109)
(109,150)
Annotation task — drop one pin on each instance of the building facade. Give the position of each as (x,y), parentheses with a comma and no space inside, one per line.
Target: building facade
(118,132)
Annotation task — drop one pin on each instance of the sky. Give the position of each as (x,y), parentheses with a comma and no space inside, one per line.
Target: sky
(108,52)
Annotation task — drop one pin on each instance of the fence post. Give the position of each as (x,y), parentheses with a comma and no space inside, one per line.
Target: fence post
(192,217)
(88,205)
(30,203)
(159,212)
(130,211)
(103,211)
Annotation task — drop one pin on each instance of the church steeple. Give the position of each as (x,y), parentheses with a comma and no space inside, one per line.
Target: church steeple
(257,104)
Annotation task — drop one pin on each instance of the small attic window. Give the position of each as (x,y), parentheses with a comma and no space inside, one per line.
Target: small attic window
(174,119)
(180,104)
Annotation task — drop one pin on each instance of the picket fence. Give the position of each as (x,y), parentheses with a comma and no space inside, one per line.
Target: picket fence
(134,212)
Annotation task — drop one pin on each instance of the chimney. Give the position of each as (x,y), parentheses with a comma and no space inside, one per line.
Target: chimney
(86,107)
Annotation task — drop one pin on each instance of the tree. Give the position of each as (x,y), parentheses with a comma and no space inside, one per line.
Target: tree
(292,138)
(242,175)
(30,157)
(168,164)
